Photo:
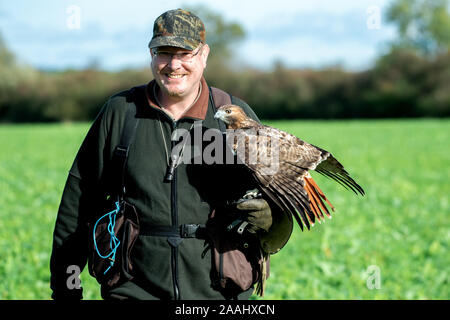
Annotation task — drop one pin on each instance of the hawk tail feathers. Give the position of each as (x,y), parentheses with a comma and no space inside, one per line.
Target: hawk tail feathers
(316,197)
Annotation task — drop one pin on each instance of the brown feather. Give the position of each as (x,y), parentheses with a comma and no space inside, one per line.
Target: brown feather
(300,198)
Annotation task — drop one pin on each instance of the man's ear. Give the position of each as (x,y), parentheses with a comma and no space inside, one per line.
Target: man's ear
(151,58)
(205,54)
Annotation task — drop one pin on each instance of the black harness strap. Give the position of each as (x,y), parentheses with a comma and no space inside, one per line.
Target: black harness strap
(121,152)
(183,231)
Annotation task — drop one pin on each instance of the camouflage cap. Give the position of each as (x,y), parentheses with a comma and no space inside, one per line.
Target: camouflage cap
(178,28)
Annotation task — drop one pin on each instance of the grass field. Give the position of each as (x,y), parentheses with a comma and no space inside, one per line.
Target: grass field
(396,238)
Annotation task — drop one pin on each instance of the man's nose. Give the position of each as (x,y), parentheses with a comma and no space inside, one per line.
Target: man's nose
(174,62)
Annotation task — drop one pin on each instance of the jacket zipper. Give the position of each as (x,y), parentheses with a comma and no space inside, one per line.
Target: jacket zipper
(174,211)
(174,217)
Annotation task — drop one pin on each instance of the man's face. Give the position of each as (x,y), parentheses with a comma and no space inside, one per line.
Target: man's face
(178,78)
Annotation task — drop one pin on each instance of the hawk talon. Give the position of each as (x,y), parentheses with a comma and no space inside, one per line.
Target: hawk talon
(252,194)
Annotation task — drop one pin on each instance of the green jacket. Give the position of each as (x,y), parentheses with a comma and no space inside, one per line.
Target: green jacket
(189,198)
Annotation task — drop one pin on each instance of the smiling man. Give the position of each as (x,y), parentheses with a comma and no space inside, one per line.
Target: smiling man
(141,229)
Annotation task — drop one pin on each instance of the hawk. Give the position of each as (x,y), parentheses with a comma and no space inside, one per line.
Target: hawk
(280,163)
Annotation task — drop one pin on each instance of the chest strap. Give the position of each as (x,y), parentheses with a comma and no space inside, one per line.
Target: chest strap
(183,231)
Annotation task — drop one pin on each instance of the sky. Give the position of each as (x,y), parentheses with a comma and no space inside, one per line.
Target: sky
(61,34)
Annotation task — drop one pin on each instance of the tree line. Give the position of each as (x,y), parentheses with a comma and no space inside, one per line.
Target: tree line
(401,84)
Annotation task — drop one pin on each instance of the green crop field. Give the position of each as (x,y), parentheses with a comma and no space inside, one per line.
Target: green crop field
(391,244)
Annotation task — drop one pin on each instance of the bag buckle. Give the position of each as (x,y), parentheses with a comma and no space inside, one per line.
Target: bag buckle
(188,230)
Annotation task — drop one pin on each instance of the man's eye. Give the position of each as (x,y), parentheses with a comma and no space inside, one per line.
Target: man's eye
(184,55)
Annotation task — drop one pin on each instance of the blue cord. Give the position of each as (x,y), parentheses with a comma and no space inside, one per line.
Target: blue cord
(113,242)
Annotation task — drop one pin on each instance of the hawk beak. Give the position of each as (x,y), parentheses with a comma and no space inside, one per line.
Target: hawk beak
(220,115)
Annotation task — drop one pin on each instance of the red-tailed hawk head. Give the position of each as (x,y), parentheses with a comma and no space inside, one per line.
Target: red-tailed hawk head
(234,117)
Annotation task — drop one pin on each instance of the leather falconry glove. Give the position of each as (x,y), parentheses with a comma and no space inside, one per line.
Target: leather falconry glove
(256,212)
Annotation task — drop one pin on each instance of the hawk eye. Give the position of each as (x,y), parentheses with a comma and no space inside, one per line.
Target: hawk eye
(228,111)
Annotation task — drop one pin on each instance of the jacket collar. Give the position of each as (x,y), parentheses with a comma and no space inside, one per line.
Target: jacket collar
(196,111)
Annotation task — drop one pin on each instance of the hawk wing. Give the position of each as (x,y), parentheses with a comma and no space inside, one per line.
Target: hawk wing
(280,162)
(333,169)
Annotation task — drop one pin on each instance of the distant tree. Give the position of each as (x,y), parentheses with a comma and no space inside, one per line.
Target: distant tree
(221,35)
(7,58)
(423,25)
